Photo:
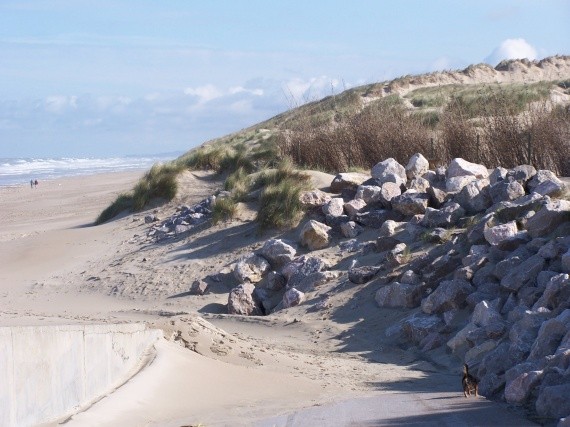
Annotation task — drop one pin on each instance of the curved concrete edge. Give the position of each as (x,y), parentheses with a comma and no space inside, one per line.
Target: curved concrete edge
(48,372)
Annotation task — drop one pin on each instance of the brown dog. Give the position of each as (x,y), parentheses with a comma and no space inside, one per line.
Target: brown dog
(469,382)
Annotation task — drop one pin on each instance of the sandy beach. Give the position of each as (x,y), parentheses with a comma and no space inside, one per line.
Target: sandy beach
(296,367)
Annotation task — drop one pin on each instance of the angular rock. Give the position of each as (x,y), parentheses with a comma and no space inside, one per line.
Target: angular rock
(198,287)
(419,184)
(518,390)
(419,326)
(516,209)
(334,207)
(498,174)
(553,401)
(456,183)
(461,167)
(353,207)
(504,191)
(397,256)
(369,193)
(446,216)
(484,314)
(389,171)
(241,301)
(251,269)
(409,204)
(549,336)
(557,291)
(521,173)
(273,282)
(314,198)
(277,252)
(388,191)
(350,229)
(495,235)
(375,218)
(474,197)
(399,295)
(474,355)
(347,180)
(565,262)
(546,183)
(438,196)
(361,275)
(524,331)
(417,166)
(303,265)
(315,235)
(524,275)
(550,216)
(292,298)
(450,294)
(390,227)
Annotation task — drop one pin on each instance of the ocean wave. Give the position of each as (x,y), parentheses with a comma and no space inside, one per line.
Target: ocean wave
(16,171)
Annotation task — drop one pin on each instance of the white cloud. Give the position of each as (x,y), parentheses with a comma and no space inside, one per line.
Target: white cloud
(300,90)
(204,93)
(512,49)
(59,103)
(240,89)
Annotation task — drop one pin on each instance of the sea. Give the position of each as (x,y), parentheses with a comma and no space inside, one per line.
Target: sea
(19,171)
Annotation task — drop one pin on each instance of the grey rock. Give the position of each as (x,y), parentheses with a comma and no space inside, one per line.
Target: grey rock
(550,336)
(334,207)
(461,167)
(447,216)
(524,275)
(251,269)
(399,295)
(484,314)
(449,294)
(198,287)
(350,229)
(550,216)
(499,174)
(361,275)
(353,207)
(347,180)
(504,191)
(241,301)
(495,235)
(474,197)
(419,326)
(314,198)
(546,183)
(521,173)
(417,166)
(524,332)
(369,193)
(419,184)
(518,390)
(277,252)
(292,298)
(389,170)
(455,184)
(553,401)
(409,204)
(315,235)
(556,292)
(388,191)
(438,196)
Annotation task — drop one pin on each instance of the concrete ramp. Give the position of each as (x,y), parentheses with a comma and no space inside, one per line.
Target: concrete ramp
(47,372)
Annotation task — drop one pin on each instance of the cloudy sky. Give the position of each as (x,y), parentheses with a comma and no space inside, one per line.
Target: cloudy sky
(115,77)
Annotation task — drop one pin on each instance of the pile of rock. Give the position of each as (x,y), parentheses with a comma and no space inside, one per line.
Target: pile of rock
(275,278)
(481,259)
(502,256)
(185,218)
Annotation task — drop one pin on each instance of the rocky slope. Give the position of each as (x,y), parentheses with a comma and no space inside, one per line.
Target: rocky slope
(477,263)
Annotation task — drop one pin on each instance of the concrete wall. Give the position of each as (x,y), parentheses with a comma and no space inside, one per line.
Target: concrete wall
(49,371)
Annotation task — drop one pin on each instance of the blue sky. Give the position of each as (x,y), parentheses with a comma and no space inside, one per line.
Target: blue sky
(105,78)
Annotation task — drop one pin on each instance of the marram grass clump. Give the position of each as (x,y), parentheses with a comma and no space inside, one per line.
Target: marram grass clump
(158,182)
(280,206)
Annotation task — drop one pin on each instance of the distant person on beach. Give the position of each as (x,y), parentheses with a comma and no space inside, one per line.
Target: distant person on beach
(36,183)
(31,183)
